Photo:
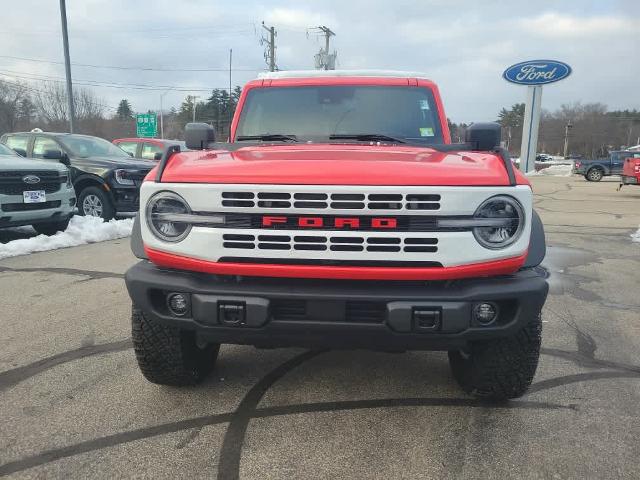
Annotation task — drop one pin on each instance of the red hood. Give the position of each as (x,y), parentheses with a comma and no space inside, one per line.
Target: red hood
(337,165)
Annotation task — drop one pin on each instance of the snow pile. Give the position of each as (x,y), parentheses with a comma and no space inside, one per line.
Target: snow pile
(635,237)
(81,230)
(553,170)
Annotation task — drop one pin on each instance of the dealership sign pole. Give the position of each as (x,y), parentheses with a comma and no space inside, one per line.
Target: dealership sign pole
(534,74)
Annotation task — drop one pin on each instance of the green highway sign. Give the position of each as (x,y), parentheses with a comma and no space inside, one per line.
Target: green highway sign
(146,125)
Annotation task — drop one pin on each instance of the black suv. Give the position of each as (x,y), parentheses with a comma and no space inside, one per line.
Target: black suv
(106,179)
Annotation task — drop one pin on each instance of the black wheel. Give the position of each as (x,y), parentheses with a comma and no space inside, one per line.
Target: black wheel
(51,228)
(94,202)
(499,369)
(169,355)
(594,175)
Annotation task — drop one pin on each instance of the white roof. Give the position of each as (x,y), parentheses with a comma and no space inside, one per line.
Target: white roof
(340,73)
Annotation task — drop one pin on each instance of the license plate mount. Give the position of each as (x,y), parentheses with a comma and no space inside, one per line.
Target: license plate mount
(34,196)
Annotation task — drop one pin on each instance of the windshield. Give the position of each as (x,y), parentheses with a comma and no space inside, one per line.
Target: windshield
(4,150)
(84,147)
(320,112)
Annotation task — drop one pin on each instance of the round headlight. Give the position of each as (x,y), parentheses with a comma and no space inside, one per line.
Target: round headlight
(160,210)
(509,222)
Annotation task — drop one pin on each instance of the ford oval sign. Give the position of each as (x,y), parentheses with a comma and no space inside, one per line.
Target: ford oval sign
(537,72)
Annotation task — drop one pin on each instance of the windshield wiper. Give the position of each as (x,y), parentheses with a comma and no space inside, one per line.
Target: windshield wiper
(366,137)
(268,137)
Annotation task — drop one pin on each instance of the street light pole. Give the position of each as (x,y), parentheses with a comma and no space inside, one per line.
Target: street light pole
(67,64)
(193,99)
(162,114)
(568,127)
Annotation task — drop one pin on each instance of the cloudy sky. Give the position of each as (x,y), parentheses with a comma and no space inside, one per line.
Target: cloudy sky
(462,45)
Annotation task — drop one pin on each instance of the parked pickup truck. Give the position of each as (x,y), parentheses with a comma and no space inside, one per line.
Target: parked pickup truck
(106,179)
(340,216)
(33,193)
(594,170)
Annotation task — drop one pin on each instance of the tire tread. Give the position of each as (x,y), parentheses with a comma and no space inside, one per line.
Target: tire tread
(168,355)
(502,368)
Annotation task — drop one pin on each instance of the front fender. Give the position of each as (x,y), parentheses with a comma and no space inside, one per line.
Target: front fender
(537,243)
(137,247)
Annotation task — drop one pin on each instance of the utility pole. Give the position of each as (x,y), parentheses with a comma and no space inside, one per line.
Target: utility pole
(567,128)
(67,64)
(325,60)
(327,35)
(270,54)
(230,113)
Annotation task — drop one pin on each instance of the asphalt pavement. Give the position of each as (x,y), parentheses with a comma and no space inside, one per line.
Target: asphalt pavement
(74,405)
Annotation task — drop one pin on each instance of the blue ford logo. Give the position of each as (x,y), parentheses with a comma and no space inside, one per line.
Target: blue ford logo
(537,72)
(31,179)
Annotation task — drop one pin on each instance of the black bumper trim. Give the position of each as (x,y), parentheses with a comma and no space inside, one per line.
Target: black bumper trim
(520,297)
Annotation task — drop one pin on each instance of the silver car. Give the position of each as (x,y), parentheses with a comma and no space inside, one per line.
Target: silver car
(34,192)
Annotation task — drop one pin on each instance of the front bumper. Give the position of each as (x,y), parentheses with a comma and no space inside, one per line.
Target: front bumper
(338,313)
(58,207)
(125,198)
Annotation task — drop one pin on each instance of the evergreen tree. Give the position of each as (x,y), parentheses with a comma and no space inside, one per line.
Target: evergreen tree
(124,111)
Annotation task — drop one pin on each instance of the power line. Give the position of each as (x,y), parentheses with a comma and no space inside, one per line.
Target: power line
(18,86)
(105,84)
(120,67)
(208,30)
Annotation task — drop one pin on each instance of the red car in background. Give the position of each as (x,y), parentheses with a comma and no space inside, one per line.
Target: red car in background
(631,170)
(147,148)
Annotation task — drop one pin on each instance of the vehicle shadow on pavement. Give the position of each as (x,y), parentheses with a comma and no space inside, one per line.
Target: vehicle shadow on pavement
(10,234)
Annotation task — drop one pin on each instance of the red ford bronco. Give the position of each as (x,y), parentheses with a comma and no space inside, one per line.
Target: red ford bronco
(340,215)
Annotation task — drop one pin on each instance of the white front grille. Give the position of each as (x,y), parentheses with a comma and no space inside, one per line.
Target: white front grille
(449,248)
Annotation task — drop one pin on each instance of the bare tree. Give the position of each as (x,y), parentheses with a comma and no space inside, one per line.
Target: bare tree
(12,96)
(51,104)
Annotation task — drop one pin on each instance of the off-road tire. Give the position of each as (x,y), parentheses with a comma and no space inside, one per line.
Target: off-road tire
(169,355)
(594,175)
(502,368)
(108,210)
(51,228)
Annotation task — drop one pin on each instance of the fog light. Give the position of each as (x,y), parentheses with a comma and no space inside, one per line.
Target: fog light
(178,304)
(485,313)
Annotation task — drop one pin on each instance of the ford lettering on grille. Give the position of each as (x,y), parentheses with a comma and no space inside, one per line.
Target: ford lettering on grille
(347,223)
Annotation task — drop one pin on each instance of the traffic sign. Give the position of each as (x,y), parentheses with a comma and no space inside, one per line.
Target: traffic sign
(146,125)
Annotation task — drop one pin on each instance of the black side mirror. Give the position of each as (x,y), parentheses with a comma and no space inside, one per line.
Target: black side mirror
(157,156)
(130,154)
(198,136)
(52,155)
(20,151)
(57,155)
(483,136)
